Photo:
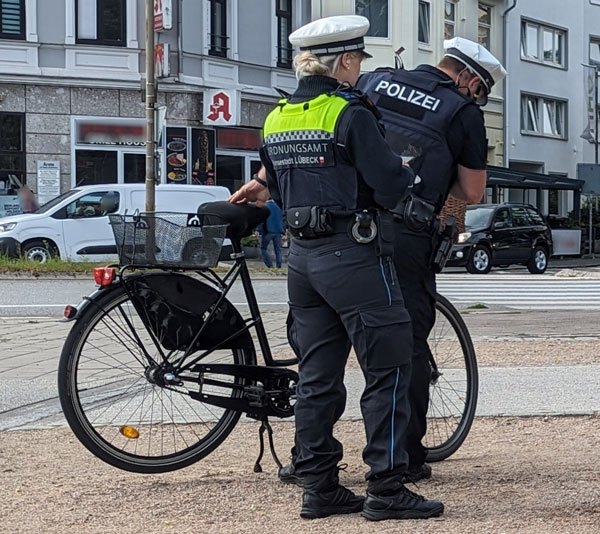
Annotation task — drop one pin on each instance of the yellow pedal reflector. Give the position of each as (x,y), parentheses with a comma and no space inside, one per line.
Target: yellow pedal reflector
(129,432)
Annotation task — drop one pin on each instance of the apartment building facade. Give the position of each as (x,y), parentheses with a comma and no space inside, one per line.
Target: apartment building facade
(420,27)
(72,80)
(546,102)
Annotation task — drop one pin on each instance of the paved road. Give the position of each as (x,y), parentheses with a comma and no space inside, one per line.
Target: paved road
(536,292)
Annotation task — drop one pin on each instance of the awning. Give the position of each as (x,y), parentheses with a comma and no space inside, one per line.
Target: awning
(504,177)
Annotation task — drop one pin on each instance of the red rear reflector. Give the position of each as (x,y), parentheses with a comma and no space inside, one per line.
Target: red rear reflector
(70,311)
(104,276)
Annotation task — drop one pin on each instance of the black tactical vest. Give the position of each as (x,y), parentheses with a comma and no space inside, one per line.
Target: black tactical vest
(301,142)
(417,108)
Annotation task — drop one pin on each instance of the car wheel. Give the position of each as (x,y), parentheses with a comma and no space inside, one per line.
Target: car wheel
(40,251)
(539,261)
(480,261)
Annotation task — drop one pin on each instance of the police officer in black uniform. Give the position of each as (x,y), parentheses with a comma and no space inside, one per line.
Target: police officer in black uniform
(432,116)
(330,169)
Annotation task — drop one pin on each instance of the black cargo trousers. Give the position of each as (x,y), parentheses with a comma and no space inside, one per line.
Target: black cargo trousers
(412,258)
(342,294)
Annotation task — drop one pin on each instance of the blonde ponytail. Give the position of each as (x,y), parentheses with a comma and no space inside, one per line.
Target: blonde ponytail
(307,64)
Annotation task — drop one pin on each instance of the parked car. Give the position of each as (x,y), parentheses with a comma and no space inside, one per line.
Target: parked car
(75,226)
(502,235)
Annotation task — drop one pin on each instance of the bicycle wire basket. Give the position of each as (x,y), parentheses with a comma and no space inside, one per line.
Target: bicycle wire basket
(180,240)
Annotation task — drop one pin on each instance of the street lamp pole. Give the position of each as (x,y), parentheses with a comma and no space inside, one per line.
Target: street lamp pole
(150,107)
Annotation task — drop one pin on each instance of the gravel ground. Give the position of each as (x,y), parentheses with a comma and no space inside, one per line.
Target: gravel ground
(519,352)
(512,475)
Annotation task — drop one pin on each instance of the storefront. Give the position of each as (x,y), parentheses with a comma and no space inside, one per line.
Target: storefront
(108,150)
(210,156)
(113,150)
(12,161)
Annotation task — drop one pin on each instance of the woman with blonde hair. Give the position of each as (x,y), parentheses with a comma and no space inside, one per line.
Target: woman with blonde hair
(329,168)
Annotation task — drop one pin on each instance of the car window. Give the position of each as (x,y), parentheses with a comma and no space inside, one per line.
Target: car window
(478,217)
(520,216)
(534,216)
(96,204)
(503,216)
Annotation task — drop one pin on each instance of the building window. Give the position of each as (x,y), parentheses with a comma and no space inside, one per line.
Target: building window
(543,44)
(484,25)
(543,116)
(12,19)
(283,11)
(218,28)
(449,19)
(12,151)
(595,51)
(101,22)
(377,13)
(424,22)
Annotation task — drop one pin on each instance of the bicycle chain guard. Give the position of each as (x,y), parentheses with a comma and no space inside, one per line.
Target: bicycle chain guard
(267,391)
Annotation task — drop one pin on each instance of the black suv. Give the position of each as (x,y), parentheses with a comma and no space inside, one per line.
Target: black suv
(501,235)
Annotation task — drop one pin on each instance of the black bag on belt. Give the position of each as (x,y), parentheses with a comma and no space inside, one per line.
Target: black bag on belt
(309,222)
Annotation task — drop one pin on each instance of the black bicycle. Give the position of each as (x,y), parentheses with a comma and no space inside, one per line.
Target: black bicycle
(159,365)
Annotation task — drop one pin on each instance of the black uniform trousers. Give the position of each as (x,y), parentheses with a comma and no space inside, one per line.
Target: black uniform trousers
(342,294)
(412,256)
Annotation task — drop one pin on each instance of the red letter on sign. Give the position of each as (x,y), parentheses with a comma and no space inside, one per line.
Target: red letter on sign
(220,106)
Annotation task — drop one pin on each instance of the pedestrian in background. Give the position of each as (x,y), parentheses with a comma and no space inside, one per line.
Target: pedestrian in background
(270,232)
(29,203)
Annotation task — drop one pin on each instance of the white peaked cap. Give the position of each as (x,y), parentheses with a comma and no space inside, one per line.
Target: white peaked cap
(477,59)
(332,35)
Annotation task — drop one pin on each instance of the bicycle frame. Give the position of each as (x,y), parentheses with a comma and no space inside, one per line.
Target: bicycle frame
(223,285)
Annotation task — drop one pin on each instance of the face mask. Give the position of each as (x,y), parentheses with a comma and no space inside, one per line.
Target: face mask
(481,97)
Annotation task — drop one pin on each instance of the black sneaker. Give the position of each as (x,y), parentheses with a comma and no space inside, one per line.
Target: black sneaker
(402,504)
(333,501)
(287,475)
(414,474)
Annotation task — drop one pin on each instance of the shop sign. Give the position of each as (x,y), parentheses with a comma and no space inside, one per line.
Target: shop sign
(221,107)
(48,180)
(9,205)
(203,156)
(110,132)
(161,60)
(163,15)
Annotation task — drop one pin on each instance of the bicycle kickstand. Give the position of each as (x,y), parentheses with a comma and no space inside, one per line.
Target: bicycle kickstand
(265,425)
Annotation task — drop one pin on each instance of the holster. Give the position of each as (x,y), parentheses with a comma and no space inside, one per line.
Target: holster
(309,222)
(418,214)
(443,248)
(385,234)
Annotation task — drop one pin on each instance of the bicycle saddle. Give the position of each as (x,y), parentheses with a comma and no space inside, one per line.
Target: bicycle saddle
(242,218)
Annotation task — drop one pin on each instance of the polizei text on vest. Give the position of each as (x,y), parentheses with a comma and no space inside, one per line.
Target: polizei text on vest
(412,96)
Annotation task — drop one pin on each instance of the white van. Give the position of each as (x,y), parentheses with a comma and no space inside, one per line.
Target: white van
(74,226)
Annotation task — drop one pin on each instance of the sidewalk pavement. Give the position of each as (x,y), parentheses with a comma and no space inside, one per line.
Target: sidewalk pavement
(30,350)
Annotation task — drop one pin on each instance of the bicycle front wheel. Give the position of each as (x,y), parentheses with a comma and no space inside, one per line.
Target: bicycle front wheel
(120,406)
(454,383)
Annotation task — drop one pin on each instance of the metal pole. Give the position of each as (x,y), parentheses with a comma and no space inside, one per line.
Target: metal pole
(596,113)
(150,106)
(591,247)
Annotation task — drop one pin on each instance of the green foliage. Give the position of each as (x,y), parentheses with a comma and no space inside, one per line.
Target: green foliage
(477,306)
(51,266)
(251,241)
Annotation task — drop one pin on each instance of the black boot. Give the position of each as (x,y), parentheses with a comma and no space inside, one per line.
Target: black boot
(414,474)
(324,496)
(287,474)
(388,498)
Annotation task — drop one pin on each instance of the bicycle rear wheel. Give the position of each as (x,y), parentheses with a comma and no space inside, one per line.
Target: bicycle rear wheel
(120,406)
(453,387)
